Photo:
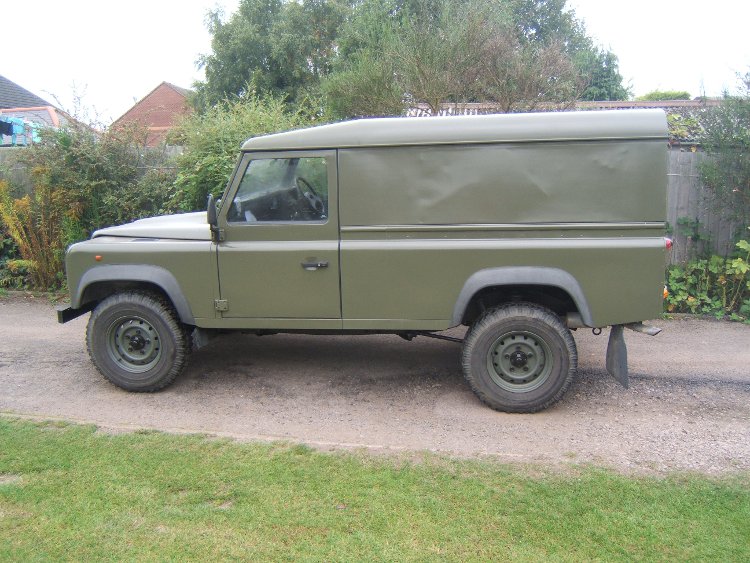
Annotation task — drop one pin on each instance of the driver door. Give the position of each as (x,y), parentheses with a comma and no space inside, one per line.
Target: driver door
(279,260)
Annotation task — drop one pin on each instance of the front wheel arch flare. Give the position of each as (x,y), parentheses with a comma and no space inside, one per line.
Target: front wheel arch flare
(118,274)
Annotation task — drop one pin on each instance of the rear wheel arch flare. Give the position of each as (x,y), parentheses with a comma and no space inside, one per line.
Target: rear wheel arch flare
(529,277)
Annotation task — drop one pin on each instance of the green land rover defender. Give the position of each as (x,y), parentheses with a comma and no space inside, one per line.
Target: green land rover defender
(520,227)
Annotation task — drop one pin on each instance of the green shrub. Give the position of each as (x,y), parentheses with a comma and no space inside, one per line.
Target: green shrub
(108,178)
(713,286)
(82,181)
(661,95)
(13,269)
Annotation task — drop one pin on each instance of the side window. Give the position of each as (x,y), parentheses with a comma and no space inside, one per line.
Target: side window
(282,189)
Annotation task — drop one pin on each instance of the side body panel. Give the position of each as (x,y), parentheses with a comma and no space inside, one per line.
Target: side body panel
(408,283)
(418,222)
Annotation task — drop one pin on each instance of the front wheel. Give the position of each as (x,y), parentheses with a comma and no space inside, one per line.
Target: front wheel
(137,342)
(519,358)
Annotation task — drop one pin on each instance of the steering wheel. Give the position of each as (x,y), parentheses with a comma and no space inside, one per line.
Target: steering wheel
(311,196)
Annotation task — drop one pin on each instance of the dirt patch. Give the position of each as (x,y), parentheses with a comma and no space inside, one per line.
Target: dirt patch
(7,479)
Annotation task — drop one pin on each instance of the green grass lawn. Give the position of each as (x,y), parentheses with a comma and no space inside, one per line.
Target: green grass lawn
(70,493)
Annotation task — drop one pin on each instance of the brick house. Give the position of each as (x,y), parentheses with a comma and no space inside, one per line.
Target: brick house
(159,111)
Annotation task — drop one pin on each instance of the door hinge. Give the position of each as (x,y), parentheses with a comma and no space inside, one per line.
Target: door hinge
(217,234)
(221,304)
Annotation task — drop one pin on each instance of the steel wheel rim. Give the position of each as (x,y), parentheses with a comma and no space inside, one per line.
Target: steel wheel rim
(134,344)
(519,361)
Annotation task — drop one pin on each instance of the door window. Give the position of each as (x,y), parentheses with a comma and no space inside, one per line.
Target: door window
(282,190)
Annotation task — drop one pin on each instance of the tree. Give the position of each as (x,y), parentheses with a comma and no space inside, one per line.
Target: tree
(602,75)
(270,47)
(437,58)
(548,21)
(436,51)
(364,87)
(242,51)
(518,77)
(371,57)
(726,139)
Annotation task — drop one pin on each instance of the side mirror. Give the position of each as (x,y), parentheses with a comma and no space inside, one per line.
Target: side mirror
(211,211)
(217,235)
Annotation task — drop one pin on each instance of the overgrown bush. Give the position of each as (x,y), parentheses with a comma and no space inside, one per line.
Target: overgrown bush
(712,286)
(82,180)
(212,140)
(36,222)
(107,177)
(13,269)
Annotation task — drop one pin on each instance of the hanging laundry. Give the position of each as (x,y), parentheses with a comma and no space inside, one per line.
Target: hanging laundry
(18,129)
(35,130)
(6,127)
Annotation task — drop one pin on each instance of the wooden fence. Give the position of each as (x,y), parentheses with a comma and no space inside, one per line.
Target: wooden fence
(695,225)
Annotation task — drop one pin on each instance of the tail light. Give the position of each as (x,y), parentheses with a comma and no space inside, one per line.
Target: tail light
(668,243)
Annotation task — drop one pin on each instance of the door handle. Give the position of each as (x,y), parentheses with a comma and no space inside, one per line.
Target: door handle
(310,266)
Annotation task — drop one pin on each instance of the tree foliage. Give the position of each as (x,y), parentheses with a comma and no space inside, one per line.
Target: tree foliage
(513,54)
(518,76)
(726,139)
(436,53)
(374,57)
(270,47)
(601,72)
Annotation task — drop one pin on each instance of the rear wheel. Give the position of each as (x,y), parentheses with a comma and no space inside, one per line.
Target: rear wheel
(137,342)
(519,358)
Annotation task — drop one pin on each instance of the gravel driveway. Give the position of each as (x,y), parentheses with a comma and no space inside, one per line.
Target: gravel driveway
(688,407)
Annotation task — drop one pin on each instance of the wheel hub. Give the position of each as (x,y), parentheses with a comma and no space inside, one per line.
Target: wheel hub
(137,342)
(518,361)
(134,344)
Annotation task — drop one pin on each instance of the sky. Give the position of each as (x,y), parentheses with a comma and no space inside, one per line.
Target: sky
(111,54)
(691,45)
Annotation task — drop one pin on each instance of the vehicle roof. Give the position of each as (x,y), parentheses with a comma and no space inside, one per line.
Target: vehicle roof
(519,127)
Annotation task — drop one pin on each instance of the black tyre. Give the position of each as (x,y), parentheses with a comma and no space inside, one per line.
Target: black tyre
(519,358)
(137,342)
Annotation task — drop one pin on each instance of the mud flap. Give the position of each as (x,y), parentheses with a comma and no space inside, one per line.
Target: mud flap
(617,356)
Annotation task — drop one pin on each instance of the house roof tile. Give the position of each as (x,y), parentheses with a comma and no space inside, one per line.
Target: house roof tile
(14,96)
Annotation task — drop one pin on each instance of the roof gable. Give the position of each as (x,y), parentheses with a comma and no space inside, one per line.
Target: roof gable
(158,108)
(14,96)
